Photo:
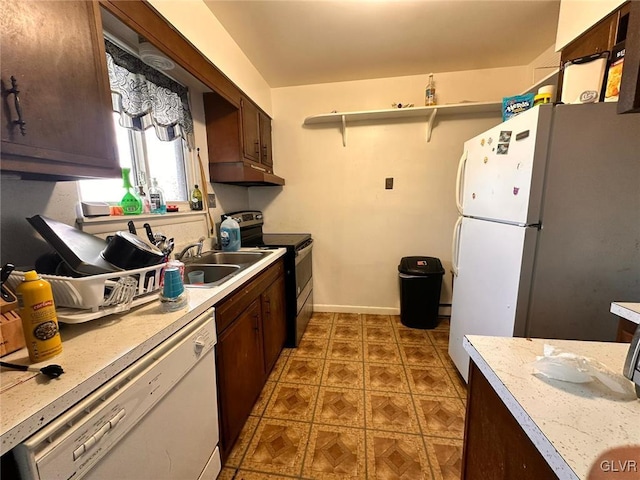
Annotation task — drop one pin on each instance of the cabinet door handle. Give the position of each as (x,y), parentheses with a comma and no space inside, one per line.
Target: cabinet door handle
(16,101)
(267,302)
(257,144)
(256,318)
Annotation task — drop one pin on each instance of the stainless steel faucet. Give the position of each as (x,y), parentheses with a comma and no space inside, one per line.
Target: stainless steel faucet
(186,250)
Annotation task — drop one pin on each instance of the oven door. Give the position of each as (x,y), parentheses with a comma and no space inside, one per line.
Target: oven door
(304,268)
(304,290)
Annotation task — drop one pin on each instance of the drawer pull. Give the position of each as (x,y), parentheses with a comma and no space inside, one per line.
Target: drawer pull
(16,101)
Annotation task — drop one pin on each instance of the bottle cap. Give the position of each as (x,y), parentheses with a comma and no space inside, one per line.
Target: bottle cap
(550,89)
(31,275)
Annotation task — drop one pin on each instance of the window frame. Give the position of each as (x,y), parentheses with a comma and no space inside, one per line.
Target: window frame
(140,161)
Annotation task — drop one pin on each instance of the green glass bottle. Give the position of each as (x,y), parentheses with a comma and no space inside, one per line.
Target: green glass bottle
(131,204)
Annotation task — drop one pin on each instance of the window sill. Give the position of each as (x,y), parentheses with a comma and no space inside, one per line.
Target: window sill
(136,218)
(111,224)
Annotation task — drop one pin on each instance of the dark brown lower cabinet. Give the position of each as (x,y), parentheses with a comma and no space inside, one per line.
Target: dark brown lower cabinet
(240,371)
(251,326)
(495,445)
(626,330)
(274,329)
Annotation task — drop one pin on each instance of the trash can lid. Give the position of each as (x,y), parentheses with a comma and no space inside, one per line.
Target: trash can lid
(420,266)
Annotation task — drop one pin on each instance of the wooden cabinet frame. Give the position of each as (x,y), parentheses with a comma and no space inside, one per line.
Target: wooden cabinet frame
(495,445)
(62,92)
(629,100)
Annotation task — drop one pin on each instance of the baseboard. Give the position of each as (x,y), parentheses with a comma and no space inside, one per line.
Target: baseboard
(444,310)
(356,309)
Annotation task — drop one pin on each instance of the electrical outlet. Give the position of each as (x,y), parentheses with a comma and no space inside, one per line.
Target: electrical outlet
(211,200)
(388,183)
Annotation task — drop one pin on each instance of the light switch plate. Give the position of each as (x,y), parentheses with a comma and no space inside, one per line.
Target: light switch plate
(211,200)
(388,183)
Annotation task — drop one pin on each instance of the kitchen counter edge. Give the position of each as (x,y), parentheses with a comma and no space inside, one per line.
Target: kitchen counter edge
(627,310)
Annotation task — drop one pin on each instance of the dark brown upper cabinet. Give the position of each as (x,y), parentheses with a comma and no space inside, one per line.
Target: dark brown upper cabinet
(250,132)
(266,158)
(239,142)
(629,100)
(56,108)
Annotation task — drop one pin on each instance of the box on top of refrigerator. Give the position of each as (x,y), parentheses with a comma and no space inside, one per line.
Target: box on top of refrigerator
(512,106)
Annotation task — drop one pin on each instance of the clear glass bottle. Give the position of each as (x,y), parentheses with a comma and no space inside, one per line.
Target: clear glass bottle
(430,92)
(156,197)
(146,203)
(196,199)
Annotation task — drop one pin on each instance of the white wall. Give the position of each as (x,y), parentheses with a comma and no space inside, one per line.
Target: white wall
(201,27)
(337,193)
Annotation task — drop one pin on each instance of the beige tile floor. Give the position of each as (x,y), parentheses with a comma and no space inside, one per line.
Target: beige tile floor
(362,397)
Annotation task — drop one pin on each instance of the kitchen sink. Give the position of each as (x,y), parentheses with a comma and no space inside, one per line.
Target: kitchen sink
(218,267)
(228,258)
(213,274)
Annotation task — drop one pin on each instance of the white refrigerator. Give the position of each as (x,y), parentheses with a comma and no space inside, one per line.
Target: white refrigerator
(549,226)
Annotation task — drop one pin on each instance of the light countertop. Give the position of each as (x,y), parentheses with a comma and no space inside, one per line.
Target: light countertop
(628,310)
(570,424)
(93,352)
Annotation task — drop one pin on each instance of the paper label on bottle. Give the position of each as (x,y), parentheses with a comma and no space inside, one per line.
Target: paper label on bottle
(156,201)
(225,240)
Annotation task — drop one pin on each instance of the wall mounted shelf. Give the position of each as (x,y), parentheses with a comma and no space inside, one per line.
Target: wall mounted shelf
(398,113)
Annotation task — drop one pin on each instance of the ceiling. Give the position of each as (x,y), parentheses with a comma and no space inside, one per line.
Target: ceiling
(294,42)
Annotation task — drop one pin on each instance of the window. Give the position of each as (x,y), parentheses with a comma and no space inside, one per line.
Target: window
(154,129)
(148,158)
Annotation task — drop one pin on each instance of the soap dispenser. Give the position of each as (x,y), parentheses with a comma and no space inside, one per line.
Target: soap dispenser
(156,196)
(230,235)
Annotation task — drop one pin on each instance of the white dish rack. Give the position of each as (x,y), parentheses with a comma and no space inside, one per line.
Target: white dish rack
(82,299)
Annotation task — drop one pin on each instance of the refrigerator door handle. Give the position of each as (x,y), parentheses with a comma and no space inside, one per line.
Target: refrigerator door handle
(455,246)
(459,177)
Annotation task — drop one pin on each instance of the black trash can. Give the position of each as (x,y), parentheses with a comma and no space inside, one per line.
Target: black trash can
(420,286)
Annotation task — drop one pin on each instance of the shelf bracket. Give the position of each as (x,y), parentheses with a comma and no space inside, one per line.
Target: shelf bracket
(344,131)
(430,122)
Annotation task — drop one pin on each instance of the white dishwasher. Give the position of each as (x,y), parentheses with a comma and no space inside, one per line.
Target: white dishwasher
(157,419)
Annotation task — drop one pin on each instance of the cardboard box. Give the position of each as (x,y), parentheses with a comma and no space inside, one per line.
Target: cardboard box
(11,336)
(614,75)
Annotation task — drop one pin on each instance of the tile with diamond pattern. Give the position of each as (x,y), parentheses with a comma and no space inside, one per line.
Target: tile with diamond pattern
(392,455)
(335,453)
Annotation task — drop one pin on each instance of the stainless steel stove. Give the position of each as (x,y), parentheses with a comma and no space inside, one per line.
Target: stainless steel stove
(297,264)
